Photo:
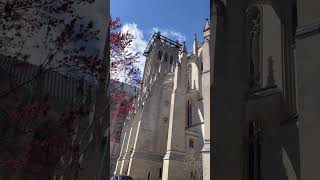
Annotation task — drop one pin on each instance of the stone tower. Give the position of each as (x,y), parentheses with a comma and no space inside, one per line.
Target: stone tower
(172,113)
(144,141)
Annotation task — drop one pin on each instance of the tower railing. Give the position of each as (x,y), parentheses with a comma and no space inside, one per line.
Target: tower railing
(164,40)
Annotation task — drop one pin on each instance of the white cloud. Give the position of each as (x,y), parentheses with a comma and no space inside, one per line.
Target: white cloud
(139,44)
(169,33)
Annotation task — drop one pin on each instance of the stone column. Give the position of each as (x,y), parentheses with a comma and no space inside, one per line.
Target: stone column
(231,74)
(124,142)
(173,164)
(308,88)
(144,158)
(126,156)
(206,82)
(130,142)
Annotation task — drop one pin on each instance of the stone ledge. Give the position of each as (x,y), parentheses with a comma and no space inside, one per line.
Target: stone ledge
(207,71)
(147,156)
(292,119)
(206,148)
(263,92)
(174,155)
(308,30)
(193,133)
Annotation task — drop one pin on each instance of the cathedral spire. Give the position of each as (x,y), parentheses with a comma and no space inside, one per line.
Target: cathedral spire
(195,44)
(184,48)
(183,53)
(206,29)
(158,35)
(207,25)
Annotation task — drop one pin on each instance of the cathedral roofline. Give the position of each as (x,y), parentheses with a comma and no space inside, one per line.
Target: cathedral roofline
(163,39)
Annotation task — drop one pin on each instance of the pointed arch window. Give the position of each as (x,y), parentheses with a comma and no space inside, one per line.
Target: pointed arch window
(254,155)
(166,57)
(171,59)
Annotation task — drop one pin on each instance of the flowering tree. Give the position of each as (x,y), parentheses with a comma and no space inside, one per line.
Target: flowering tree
(122,60)
(43,139)
(65,39)
(56,20)
(122,105)
(53,27)
(68,43)
(37,140)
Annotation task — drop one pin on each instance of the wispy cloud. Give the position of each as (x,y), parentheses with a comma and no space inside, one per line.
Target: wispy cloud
(172,34)
(139,44)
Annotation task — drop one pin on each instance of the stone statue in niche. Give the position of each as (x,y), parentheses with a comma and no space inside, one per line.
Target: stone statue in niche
(219,8)
(271,81)
(254,40)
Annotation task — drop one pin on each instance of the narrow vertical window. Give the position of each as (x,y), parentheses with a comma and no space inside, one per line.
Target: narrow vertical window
(254,152)
(294,21)
(160,173)
(103,143)
(159,55)
(201,66)
(171,64)
(191,144)
(189,77)
(149,176)
(189,114)
(166,57)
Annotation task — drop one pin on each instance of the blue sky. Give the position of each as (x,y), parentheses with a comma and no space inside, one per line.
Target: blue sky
(176,19)
(184,16)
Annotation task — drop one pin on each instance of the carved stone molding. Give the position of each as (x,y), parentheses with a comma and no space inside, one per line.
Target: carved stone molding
(253,28)
(219,8)
(206,147)
(175,155)
(263,92)
(308,30)
(147,156)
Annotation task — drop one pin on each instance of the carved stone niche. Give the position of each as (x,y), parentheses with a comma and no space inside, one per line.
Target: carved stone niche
(167,103)
(271,80)
(219,8)
(253,29)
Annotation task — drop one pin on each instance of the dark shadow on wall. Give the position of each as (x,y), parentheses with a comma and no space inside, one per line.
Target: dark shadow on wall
(291,148)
